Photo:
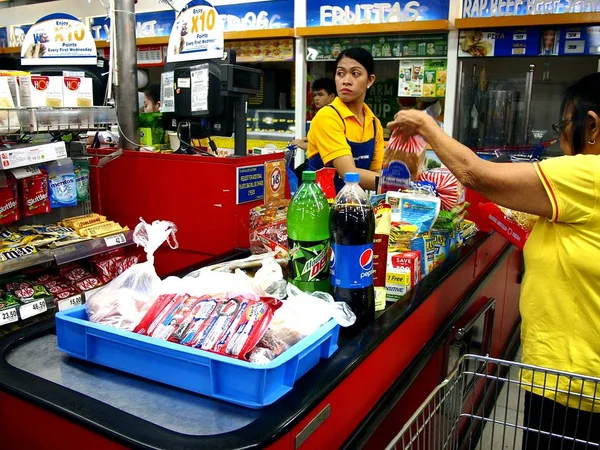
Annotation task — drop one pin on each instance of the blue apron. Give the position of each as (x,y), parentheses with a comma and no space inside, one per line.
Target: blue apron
(362,152)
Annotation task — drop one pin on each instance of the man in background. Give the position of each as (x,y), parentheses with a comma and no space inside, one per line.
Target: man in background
(323,93)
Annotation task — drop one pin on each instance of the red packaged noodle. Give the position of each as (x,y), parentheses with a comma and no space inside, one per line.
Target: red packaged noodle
(9,202)
(34,192)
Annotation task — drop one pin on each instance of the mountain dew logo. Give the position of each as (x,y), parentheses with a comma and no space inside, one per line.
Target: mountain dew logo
(309,260)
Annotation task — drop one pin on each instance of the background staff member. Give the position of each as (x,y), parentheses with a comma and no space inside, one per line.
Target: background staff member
(346,134)
(323,93)
(152,98)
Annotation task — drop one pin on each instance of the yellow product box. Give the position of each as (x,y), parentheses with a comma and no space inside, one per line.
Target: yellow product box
(403,273)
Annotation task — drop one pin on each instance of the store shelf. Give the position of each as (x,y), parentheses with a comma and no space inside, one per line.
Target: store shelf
(69,253)
(93,247)
(526,21)
(374,28)
(32,154)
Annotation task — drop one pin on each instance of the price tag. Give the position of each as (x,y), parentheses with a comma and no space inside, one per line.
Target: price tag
(70,302)
(573,35)
(519,37)
(8,316)
(117,239)
(33,309)
(574,47)
(27,171)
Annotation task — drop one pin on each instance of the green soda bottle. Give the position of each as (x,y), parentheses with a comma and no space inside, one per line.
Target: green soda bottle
(308,237)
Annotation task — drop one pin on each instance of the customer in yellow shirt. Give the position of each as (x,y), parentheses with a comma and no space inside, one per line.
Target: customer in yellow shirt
(560,298)
(346,134)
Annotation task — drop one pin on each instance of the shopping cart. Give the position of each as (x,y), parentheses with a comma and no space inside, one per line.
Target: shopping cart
(452,416)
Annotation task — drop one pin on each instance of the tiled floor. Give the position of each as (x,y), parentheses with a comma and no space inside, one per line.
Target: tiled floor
(509,410)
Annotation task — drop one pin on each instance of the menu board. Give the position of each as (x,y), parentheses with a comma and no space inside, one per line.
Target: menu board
(381,47)
(422,78)
(550,41)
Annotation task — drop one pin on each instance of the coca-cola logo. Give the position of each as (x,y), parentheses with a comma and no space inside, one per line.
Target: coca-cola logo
(11,204)
(40,198)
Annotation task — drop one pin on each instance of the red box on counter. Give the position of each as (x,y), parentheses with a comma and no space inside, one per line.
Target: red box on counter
(508,228)
(403,273)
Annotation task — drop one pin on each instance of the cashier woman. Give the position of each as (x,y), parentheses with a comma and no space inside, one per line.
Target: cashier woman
(346,134)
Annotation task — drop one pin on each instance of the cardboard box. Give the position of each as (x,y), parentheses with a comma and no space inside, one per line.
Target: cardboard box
(403,273)
(9,120)
(78,92)
(42,92)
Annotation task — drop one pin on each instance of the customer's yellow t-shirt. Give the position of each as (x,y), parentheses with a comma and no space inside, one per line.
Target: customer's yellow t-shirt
(560,298)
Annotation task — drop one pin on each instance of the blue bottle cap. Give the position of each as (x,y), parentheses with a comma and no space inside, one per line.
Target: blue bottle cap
(351,177)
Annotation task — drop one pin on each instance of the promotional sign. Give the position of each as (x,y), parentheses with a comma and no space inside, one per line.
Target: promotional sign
(501,8)
(262,51)
(196,34)
(17,34)
(346,12)
(328,49)
(250,182)
(58,39)
(554,41)
(276,176)
(147,24)
(422,78)
(3,37)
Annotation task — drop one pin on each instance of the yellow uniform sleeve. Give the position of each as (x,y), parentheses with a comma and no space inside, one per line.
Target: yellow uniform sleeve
(326,137)
(572,184)
(377,160)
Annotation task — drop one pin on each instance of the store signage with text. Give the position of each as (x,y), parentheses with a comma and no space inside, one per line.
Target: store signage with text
(17,34)
(341,12)
(58,39)
(269,50)
(501,8)
(250,183)
(147,24)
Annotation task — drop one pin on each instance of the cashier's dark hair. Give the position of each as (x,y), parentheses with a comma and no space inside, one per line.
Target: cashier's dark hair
(361,55)
(581,98)
(153,92)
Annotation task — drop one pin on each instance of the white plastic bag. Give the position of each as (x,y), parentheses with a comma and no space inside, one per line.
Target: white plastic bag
(123,302)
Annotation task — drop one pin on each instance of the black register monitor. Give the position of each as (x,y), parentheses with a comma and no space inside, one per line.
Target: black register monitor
(208,99)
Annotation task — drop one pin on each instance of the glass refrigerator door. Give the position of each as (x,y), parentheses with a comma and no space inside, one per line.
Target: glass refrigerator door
(513,102)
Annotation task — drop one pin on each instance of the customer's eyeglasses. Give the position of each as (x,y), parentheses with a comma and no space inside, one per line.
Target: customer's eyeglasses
(559,126)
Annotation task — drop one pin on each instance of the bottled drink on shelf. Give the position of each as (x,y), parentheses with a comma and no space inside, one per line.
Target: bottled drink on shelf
(352,226)
(308,237)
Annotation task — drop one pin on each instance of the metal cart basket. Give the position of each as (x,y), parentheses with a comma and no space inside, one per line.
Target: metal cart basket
(452,417)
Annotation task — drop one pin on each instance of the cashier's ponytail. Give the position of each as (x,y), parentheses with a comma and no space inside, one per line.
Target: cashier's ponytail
(578,100)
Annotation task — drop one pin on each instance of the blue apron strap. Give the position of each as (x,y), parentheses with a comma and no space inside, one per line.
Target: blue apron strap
(341,118)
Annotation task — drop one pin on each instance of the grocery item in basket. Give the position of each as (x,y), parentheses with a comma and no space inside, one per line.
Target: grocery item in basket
(9,202)
(155,314)
(449,189)
(525,220)
(417,209)
(408,151)
(383,223)
(35,195)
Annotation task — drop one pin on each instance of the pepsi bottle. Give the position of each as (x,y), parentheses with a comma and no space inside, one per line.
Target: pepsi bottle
(352,225)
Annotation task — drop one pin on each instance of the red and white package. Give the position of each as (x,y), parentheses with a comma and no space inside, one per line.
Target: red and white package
(105,266)
(88,283)
(35,198)
(65,294)
(450,190)
(74,272)
(408,150)
(9,203)
(153,315)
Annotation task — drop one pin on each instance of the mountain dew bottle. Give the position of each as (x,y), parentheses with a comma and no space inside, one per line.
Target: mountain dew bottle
(308,237)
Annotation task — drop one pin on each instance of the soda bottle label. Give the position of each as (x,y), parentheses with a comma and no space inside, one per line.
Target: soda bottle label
(351,266)
(309,261)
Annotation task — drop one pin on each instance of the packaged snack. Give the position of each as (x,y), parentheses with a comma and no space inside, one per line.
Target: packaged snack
(442,242)
(105,265)
(68,222)
(65,294)
(409,153)
(383,222)
(425,245)
(88,283)
(268,230)
(82,178)
(17,252)
(35,197)
(178,314)
(55,288)
(449,189)
(73,272)
(63,191)
(154,314)
(403,273)
(203,310)
(325,180)
(102,229)
(417,209)
(9,202)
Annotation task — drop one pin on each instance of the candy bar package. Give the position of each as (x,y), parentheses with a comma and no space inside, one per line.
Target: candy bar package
(9,202)
(35,198)
(63,191)
(268,230)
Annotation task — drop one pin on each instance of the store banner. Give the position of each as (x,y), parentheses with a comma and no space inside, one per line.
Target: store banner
(343,12)
(502,8)
(269,50)
(381,47)
(551,41)
(197,34)
(422,78)
(235,16)
(58,39)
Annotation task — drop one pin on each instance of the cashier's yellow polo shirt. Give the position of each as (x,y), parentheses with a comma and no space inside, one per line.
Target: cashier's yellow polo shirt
(326,136)
(560,298)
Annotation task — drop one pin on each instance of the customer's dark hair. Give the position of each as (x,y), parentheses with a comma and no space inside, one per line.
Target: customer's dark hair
(581,97)
(153,92)
(327,84)
(361,55)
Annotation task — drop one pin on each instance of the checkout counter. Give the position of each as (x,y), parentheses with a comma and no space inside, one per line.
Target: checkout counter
(361,396)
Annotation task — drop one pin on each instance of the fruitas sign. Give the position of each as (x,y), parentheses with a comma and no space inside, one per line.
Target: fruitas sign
(501,8)
(340,12)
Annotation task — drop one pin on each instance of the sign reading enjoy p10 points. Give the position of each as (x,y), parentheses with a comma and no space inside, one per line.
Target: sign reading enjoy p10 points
(501,8)
(348,12)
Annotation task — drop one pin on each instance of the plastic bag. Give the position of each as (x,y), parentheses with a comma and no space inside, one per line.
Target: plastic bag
(124,301)
(404,160)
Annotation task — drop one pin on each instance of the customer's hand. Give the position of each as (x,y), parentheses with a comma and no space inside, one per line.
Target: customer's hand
(410,122)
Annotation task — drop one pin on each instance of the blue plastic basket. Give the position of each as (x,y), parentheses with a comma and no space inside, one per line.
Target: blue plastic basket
(217,376)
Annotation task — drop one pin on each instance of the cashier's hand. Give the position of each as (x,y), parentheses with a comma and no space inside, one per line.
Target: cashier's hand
(410,122)
(301,143)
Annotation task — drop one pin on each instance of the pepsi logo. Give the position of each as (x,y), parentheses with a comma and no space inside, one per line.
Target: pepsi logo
(331,258)
(366,259)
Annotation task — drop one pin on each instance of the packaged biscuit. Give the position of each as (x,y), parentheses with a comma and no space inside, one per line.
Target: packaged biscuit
(78,92)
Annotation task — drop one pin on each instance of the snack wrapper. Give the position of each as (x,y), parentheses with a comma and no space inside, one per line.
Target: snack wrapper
(449,189)
(35,198)
(268,230)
